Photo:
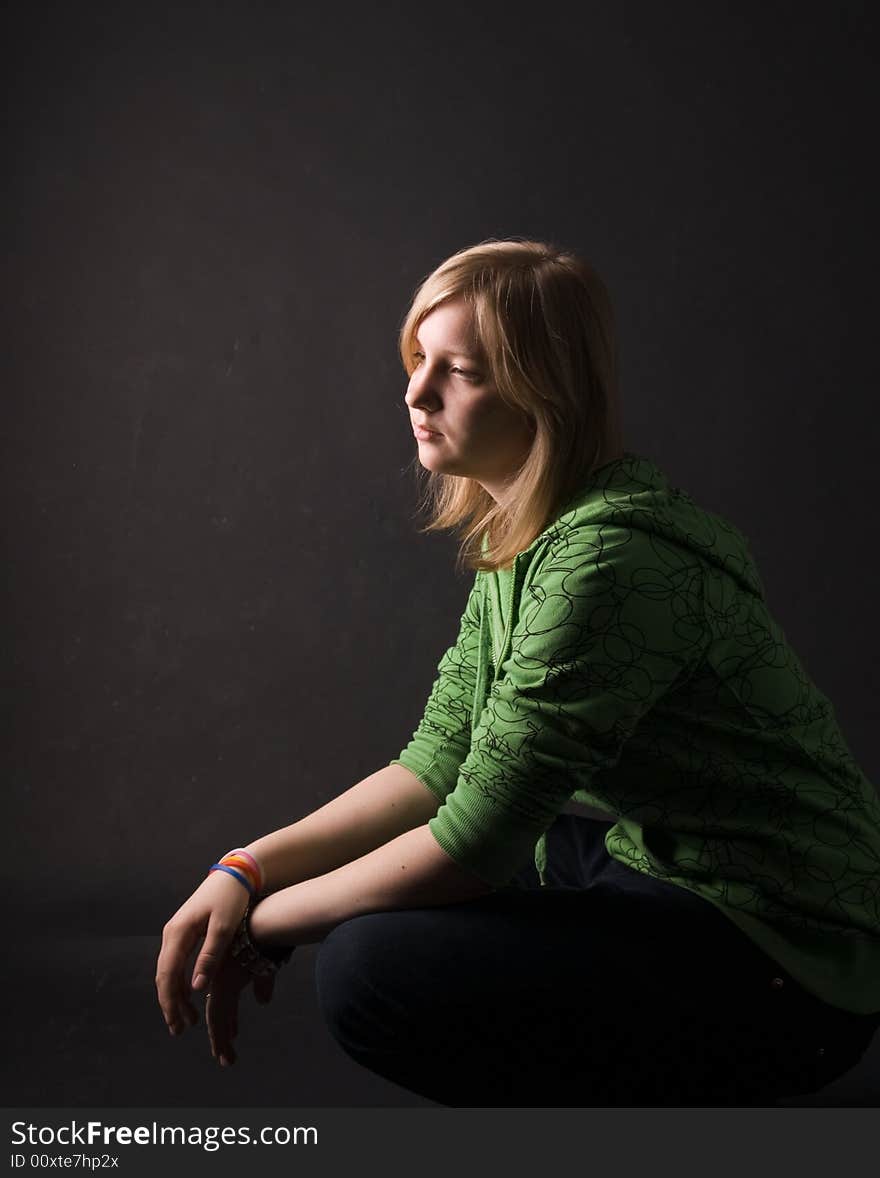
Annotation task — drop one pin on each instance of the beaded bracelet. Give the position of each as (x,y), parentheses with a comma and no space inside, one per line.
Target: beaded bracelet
(241,865)
(264,962)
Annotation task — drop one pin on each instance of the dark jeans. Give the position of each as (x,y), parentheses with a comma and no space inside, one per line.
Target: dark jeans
(604,988)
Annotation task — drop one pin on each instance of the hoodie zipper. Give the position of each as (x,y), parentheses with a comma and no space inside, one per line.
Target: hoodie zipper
(507,620)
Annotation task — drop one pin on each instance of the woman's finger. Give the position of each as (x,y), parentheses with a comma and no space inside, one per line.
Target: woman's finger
(171,990)
(212,952)
(222,1021)
(263,987)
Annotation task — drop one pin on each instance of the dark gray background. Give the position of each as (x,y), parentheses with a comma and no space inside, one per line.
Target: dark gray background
(221,613)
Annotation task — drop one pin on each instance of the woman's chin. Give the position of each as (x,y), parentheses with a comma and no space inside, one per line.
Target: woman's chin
(436,463)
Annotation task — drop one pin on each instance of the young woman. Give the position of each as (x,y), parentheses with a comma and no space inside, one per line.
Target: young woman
(715,938)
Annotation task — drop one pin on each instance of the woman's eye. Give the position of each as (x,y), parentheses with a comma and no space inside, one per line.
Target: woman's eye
(418,358)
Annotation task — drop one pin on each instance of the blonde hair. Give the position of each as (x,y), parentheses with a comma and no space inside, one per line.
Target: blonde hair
(545,323)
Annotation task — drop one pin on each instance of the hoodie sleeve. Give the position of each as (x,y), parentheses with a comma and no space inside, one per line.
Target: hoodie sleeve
(611,619)
(443,737)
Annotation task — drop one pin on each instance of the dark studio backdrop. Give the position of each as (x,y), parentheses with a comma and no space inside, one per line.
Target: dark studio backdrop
(221,613)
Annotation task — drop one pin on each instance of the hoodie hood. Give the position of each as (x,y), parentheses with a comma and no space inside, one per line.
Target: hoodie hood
(632,492)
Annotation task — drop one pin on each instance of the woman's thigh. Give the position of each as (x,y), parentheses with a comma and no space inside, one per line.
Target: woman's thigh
(563,997)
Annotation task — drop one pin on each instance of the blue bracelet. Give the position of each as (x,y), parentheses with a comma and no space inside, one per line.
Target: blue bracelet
(235,874)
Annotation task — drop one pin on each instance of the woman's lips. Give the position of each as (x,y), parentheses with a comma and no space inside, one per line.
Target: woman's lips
(425,435)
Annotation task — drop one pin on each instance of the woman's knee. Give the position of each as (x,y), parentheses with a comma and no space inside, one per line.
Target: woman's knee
(358,978)
(345,958)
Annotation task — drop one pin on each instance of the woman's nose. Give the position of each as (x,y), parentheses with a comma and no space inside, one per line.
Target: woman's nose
(420,391)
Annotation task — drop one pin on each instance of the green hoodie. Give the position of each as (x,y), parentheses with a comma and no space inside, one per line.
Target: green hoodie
(628,660)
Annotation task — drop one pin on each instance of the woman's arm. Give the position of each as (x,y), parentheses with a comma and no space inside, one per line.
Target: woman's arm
(410,871)
(375,810)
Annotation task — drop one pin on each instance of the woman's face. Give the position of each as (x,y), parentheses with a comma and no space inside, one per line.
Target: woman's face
(468,429)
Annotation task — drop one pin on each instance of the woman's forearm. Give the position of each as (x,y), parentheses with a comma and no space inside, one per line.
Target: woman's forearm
(369,814)
(410,871)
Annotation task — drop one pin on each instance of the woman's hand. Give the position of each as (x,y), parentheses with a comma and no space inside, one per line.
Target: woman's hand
(221,1008)
(212,913)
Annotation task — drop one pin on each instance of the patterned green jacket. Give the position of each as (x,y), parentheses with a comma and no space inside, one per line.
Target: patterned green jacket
(628,660)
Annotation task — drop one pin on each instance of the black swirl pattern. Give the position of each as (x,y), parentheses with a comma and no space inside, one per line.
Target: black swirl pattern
(628,659)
